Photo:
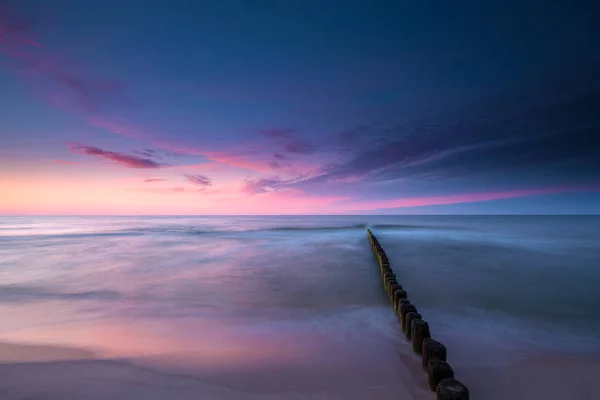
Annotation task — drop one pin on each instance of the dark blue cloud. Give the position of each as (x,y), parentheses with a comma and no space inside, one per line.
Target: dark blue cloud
(552,129)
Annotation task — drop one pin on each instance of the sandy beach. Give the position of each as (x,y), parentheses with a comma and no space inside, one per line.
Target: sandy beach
(65,373)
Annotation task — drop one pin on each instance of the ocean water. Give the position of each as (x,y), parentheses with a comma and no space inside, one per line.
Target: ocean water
(298,297)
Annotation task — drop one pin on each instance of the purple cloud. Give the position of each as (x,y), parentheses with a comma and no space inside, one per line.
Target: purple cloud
(199,180)
(15,29)
(155,180)
(64,85)
(120,158)
(263,185)
(287,139)
(149,153)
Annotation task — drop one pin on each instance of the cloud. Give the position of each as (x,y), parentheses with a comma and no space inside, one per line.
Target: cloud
(60,80)
(550,129)
(278,162)
(68,87)
(125,129)
(263,185)
(148,153)
(292,201)
(120,158)
(238,160)
(290,142)
(173,190)
(199,180)
(155,180)
(65,162)
(15,29)
(466,198)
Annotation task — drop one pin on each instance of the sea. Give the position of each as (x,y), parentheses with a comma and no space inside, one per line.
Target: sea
(294,305)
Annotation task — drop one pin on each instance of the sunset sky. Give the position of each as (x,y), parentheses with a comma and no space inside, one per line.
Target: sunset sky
(299,107)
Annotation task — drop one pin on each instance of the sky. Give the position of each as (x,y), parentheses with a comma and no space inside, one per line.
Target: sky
(299,107)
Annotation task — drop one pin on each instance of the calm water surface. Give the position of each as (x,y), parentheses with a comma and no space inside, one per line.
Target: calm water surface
(238,292)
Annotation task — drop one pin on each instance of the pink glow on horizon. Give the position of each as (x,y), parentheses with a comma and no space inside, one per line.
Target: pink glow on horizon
(65,162)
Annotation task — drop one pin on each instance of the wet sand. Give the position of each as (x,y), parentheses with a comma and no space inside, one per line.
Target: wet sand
(545,377)
(46,372)
(187,377)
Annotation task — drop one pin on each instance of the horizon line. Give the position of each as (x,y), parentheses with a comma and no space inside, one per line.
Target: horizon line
(298,215)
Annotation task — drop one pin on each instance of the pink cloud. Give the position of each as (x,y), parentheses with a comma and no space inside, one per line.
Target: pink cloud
(238,160)
(174,190)
(60,81)
(464,198)
(293,201)
(203,166)
(263,185)
(124,129)
(15,29)
(129,130)
(67,88)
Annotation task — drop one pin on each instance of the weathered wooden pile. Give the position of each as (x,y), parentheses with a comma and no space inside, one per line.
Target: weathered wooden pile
(433,353)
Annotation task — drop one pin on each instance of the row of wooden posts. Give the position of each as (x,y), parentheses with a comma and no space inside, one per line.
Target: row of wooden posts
(433,353)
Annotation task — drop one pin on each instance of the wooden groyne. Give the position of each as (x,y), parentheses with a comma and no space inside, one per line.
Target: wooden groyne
(440,375)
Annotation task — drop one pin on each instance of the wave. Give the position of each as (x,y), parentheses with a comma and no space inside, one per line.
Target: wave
(397,226)
(208,230)
(407,226)
(315,228)
(71,235)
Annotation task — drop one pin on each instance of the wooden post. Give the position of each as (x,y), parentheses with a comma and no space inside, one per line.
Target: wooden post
(419,332)
(392,287)
(451,389)
(432,348)
(436,371)
(405,309)
(398,294)
(399,304)
(387,275)
(433,353)
(406,324)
